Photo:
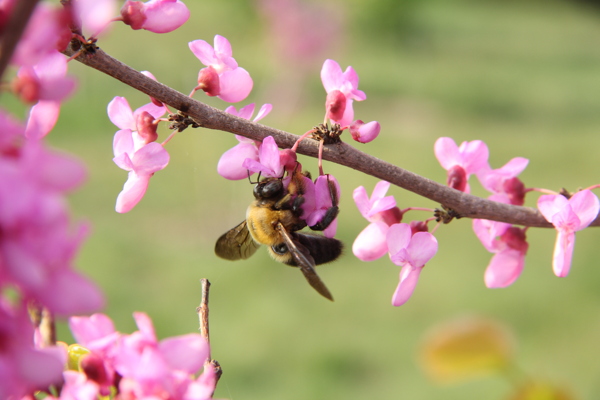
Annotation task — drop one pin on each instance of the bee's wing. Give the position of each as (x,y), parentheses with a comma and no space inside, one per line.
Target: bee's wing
(236,244)
(304,261)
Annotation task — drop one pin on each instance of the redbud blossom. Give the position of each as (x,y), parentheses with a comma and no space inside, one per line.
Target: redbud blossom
(568,217)
(411,252)
(344,84)
(381,212)
(158,16)
(509,246)
(234,82)
(461,162)
(95,15)
(503,182)
(364,133)
(230,163)
(269,161)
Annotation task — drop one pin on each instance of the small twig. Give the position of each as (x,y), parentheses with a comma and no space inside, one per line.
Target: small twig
(202,311)
(17,22)
(463,204)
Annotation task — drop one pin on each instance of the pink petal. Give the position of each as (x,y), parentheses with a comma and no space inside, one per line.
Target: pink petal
(42,118)
(563,253)
(550,204)
(474,156)
(236,85)
(263,112)
(586,205)
(380,190)
(246,111)
(230,163)
(447,152)
(60,172)
(204,52)
(123,142)
(331,75)
(361,198)
(145,326)
(488,233)
(371,243)
(86,330)
(150,158)
(155,110)
(165,16)
(133,191)
(365,133)
(348,117)
(187,353)
(72,294)
(398,237)
(409,277)
(223,48)
(95,14)
(504,268)
(120,114)
(422,248)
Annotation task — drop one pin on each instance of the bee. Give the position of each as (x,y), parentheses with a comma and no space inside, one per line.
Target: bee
(274,220)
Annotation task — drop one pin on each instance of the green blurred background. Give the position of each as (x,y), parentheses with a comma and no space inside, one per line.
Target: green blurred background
(524,76)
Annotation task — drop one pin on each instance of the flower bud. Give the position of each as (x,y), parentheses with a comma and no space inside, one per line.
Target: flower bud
(457,178)
(364,133)
(146,127)
(208,80)
(335,105)
(133,13)
(389,217)
(515,239)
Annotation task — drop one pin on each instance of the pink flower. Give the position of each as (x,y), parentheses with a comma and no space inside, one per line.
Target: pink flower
(509,246)
(568,217)
(141,164)
(269,163)
(381,212)
(364,133)
(461,162)
(342,89)
(230,163)
(158,16)
(503,182)
(222,77)
(140,121)
(411,252)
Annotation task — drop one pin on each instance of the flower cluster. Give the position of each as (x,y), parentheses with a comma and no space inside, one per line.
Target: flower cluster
(408,245)
(135,366)
(508,243)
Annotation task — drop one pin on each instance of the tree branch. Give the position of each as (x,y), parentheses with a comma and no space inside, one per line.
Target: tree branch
(13,30)
(465,205)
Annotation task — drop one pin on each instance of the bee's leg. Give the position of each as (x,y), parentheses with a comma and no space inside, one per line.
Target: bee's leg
(332,212)
(284,203)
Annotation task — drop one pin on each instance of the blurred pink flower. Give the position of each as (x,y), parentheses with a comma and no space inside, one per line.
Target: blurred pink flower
(24,369)
(381,212)
(230,163)
(222,77)
(42,36)
(461,162)
(158,16)
(95,15)
(568,217)
(411,252)
(342,89)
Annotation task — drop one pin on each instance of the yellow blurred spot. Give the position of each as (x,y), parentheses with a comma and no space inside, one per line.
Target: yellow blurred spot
(465,348)
(540,391)
(75,352)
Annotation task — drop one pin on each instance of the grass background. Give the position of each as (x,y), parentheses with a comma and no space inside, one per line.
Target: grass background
(524,76)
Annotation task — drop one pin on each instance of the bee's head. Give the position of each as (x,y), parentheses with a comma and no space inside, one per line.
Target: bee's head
(268,188)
